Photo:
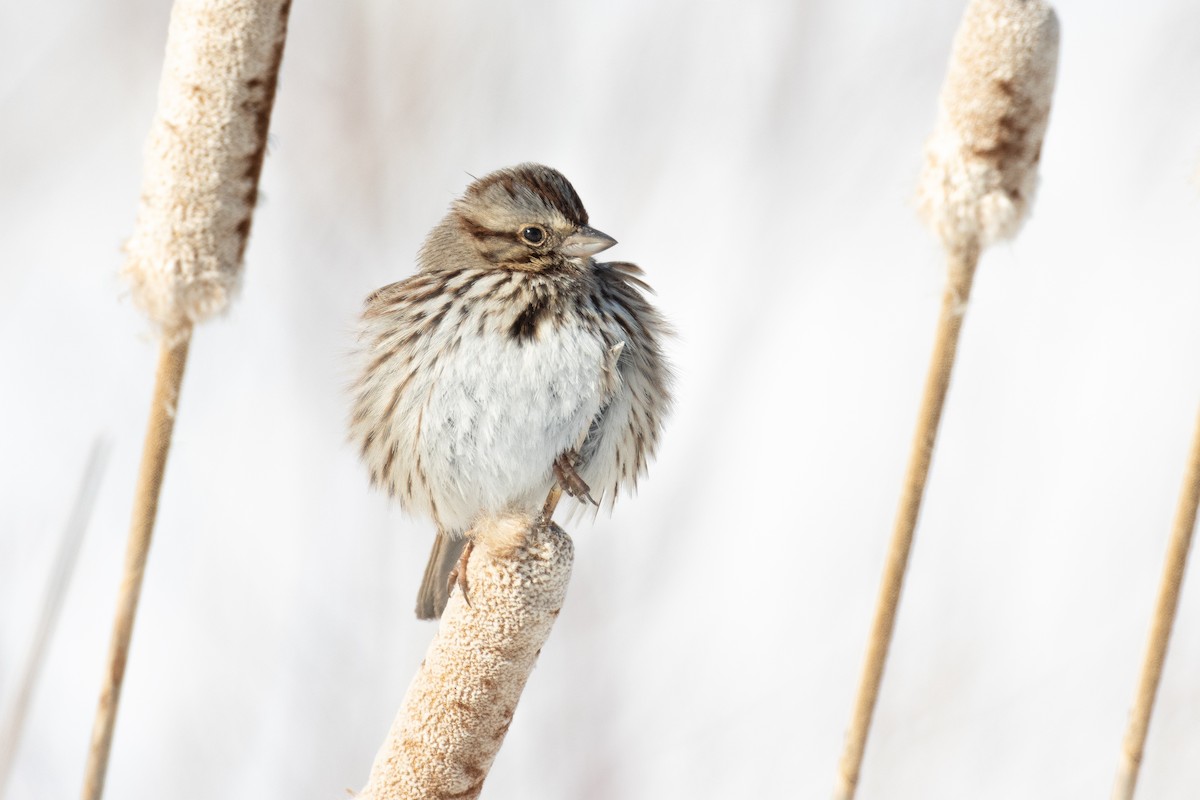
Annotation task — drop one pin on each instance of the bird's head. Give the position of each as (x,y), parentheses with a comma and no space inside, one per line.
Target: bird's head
(528,217)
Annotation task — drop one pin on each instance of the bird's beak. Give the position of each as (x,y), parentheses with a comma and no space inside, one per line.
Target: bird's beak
(586,241)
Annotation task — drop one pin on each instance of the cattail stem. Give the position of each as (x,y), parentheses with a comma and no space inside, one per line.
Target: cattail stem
(1160,629)
(462,699)
(168,378)
(204,156)
(979,178)
(954,303)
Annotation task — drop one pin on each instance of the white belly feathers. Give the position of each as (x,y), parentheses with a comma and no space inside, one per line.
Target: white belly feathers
(499,411)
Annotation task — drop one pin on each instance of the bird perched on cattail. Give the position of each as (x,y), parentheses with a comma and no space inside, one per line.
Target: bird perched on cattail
(511,363)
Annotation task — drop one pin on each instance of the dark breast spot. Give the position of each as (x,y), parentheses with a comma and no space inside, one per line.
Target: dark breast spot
(525,326)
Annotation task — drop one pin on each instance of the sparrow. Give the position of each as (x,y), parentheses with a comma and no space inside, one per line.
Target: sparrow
(510,367)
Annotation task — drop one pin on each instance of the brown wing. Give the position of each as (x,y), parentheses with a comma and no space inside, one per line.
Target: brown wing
(625,433)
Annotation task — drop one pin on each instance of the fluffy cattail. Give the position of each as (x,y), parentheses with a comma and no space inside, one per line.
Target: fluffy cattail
(203,157)
(980,170)
(461,702)
(979,177)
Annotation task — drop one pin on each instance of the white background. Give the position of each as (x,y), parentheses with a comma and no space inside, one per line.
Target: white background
(758,160)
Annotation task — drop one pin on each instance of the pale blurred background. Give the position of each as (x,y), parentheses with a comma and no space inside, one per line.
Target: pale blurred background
(758,161)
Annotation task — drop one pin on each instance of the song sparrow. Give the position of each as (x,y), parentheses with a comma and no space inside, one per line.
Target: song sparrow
(511,361)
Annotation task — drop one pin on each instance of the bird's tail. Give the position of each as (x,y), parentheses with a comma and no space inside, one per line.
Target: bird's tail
(435,588)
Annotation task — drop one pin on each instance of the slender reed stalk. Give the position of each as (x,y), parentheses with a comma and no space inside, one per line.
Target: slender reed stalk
(979,179)
(937,382)
(168,379)
(462,699)
(1160,629)
(203,159)
(56,590)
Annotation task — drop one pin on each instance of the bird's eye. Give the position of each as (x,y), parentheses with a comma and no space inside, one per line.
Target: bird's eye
(533,234)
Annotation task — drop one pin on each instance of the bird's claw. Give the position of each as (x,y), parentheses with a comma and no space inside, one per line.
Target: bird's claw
(458,575)
(568,478)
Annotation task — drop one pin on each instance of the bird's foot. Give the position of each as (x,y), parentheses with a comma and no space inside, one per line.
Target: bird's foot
(568,478)
(458,575)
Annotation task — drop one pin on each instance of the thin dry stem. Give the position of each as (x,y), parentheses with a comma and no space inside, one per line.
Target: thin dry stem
(1160,630)
(954,301)
(168,378)
(56,590)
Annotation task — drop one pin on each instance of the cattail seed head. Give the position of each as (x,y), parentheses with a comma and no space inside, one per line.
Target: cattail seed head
(980,169)
(461,701)
(203,157)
